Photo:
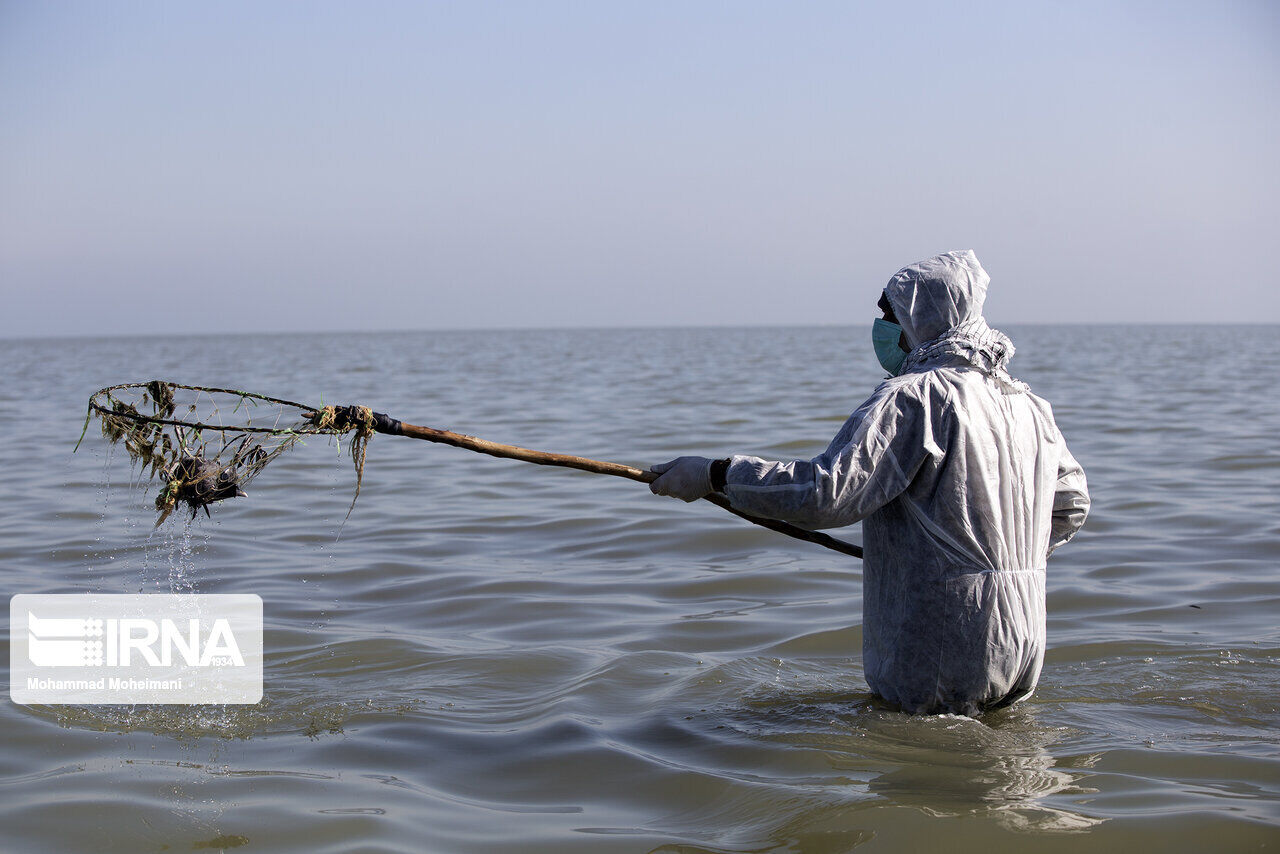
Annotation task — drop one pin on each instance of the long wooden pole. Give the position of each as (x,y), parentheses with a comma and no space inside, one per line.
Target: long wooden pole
(393,427)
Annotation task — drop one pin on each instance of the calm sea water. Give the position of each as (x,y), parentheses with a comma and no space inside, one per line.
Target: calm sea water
(497,657)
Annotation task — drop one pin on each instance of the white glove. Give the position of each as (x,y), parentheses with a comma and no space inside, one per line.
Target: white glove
(686,478)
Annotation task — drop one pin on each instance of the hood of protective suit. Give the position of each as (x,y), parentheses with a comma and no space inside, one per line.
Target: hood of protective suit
(930,297)
(938,303)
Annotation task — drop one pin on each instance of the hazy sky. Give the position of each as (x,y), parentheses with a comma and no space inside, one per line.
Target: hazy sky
(171,167)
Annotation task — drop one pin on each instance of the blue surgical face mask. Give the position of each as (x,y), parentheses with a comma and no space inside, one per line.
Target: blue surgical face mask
(884,336)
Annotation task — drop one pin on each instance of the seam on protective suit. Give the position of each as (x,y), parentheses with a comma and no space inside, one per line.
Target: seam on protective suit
(964,558)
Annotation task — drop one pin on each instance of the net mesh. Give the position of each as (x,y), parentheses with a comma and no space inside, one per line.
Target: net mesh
(204,444)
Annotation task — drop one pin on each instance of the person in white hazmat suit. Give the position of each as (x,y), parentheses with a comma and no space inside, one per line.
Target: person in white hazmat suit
(964,487)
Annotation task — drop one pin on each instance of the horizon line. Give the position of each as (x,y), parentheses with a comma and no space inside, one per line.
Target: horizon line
(56,336)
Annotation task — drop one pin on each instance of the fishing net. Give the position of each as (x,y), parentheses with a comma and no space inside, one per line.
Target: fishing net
(205,444)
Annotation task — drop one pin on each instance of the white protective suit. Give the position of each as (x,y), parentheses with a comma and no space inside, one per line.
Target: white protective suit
(964,486)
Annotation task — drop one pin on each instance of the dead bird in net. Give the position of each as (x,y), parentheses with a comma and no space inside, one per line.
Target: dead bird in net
(196,482)
(204,444)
